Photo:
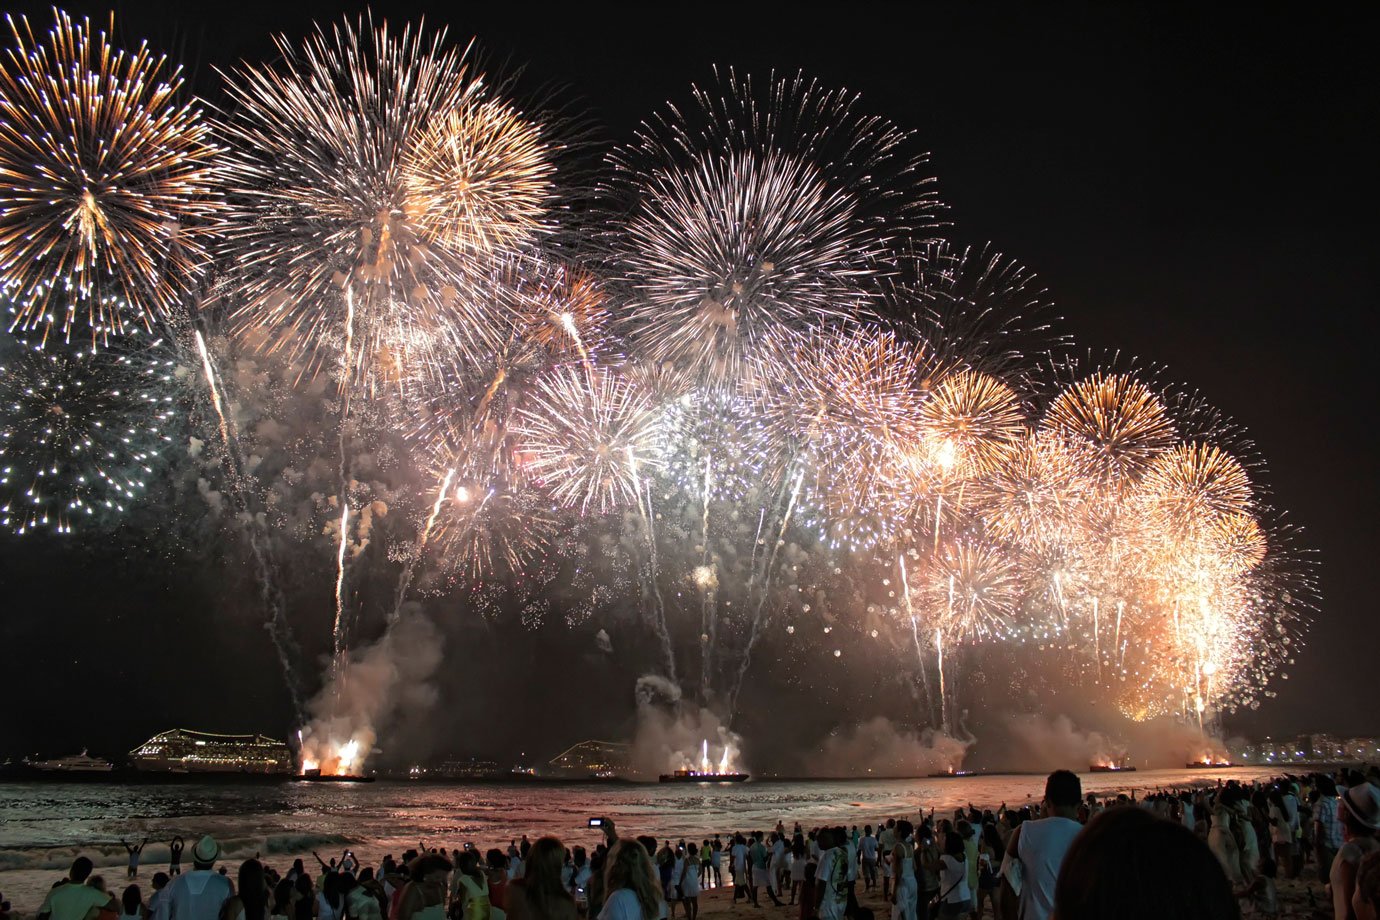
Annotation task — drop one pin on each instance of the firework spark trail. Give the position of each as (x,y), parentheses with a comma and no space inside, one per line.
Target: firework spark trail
(651,590)
(405,580)
(211,385)
(765,589)
(261,547)
(337,630)
(915,633)
(708,607)
(943,689)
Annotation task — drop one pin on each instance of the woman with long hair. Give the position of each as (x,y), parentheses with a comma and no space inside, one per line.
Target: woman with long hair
(304,900)
(424,897)
(955,897)
(540,894)
(471,887)
(132,904)
(282,900)
(250,900)
(991,851)
(631,884)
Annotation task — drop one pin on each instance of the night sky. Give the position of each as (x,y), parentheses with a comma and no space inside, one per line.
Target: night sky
(1193,188)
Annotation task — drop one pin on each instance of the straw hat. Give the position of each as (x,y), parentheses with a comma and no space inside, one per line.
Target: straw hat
(1363,801)
(206,850)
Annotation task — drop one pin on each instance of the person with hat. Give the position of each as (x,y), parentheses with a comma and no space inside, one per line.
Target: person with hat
(199,894)
(1359,809)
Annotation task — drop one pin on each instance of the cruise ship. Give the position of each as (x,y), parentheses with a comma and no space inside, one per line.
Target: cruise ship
(183,751)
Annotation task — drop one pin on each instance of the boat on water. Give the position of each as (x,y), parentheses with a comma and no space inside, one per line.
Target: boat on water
(951,774)
(1110,768)
(316,776)
(702,776)
(1208,765)
(77,763)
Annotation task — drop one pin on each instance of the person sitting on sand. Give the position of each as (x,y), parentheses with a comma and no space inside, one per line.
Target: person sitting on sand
(110,909)
(132,904)
(72,898)
(630,884)
(1131,865)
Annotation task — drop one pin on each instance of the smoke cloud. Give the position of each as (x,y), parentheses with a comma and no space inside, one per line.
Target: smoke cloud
(671,736)
(374,686)
(879,748)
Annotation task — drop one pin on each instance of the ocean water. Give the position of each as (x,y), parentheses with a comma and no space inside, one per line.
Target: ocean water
(43,826)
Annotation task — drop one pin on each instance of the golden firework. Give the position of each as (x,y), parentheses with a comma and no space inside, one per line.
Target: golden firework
(106,180)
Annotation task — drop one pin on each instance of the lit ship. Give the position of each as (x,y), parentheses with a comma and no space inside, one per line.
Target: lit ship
(183,751)
(1208,765)
(702,776)
(77,763)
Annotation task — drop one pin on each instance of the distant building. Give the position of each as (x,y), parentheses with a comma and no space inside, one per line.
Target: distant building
(184,751)
(602,759)
(1326,747)
(1366,750)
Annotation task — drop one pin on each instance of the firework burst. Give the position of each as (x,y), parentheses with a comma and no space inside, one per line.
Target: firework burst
(356,216)
(81,429)
(106,180)
(1114,424)
(588,437)
(757,212)
(970,591)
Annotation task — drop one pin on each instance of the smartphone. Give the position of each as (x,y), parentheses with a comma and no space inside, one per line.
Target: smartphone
(596,822)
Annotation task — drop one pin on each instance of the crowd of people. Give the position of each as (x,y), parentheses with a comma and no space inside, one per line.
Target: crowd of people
(1211,852)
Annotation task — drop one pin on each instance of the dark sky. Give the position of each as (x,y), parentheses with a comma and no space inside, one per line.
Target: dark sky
(1194,188)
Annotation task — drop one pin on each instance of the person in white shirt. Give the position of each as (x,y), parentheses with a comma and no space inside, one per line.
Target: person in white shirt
(887,840)
(739,853)
(777,865)
(199,894)
(869,859)
(851,854)
(832,878)
(1040,844)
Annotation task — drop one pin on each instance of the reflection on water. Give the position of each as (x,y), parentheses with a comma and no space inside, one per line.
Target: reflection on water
(273,818)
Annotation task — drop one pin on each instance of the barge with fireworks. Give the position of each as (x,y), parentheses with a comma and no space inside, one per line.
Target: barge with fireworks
(314,775)
(702,776)
(1111,768)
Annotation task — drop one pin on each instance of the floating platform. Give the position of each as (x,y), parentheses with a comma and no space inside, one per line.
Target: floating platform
(1109,768)
(697,776)
(1204,765)
(315,776)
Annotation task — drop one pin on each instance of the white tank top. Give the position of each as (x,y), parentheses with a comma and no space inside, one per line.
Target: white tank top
(1041,848)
